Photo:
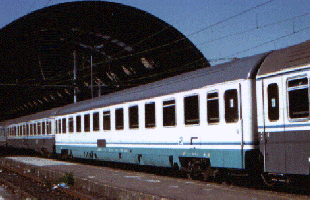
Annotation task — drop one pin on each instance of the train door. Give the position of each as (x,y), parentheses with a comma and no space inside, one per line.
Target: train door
(234,124)
(274,130)
(297,123)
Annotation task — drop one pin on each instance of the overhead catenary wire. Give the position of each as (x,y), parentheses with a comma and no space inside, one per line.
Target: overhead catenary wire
(270,41)
(196,32)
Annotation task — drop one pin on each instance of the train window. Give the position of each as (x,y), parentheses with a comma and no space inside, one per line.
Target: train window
(64,125)
(39,128)
(191,110)
(150,115)
(31,129)
(27,129)
(43,128)
(48,128)
(14,130)
(231,106)
(96,126)
(78,123)
(24,130)
(119,119)
(298,98)
(133,113)
(213,113)
(70,124)
(169,113)
(273,102)
(86,122)
(106,120)
(58,126)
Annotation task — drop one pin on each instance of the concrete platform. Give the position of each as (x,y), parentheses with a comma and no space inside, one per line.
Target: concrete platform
(122,184)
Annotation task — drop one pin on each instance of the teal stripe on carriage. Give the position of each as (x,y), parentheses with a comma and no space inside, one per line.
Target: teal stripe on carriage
(226,158)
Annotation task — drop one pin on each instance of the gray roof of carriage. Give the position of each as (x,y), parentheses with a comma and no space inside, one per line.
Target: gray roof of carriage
(40,115)
(283,59)
(244,68)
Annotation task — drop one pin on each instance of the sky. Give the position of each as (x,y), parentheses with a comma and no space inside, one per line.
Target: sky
(220,29)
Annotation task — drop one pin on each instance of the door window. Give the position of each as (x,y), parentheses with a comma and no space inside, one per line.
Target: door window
(273,102)
(231,106)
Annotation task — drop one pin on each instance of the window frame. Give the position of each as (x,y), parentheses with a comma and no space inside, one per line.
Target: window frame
(174,115)
(148,120)
(197,119)
(273,111)
(295,88)
(119,119)
(209,110)
(96,126)
(87,125)
(227,105)
(133,119)
(71,124)
(78,123)
(106,114)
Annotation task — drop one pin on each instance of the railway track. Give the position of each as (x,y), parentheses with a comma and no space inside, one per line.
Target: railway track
(26,184)
(26,180)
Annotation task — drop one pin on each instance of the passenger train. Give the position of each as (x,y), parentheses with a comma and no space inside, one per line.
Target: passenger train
(248,116)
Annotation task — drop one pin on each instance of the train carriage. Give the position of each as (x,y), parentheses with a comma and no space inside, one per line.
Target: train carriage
(203,117)
(283,105)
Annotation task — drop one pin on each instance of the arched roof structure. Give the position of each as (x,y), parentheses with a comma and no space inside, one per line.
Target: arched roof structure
(112,46)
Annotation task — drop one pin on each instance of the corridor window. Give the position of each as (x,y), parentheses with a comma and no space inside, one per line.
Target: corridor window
(231,106)
(191,110)
(106,120)
(43,128)
(133,113)
(169,113)
(150,115)
(86,122)
(39,128)
(24,130)
(96,126)
(213,107)
(70,123)
(119,119)
(64,125)
(58,126)
(298,98)
(49,128)
(78,123)
(273,102)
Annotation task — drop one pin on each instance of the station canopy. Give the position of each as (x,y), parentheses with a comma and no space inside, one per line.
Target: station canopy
(112,46)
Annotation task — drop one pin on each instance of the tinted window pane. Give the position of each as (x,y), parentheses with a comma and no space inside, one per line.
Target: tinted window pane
(58,126)
(191,110)
(298,98)
(169,113)
(64,125)
(43,128)
(49,127)
(231,106)
(150,115)
(39,128)
(86,122)
(273,102)
(133,117)
(106,120)
(70,123)
(119,119)
(213,107)
(96,126)
(78,124)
